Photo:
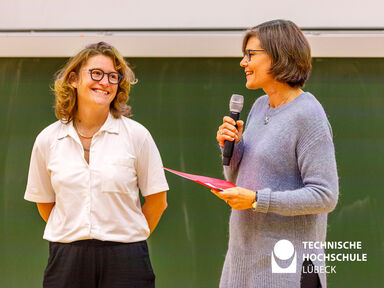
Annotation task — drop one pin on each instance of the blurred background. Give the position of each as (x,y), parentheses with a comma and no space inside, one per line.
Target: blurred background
(186,57)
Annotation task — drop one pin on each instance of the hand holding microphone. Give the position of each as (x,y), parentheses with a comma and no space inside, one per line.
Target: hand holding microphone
(230,132)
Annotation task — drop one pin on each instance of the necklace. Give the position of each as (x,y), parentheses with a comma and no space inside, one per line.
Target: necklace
(268,114)
(78,132)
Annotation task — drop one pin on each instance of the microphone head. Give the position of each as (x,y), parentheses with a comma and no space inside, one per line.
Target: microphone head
(236,103)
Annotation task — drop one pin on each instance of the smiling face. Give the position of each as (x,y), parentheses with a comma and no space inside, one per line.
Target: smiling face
(95,93)
(257,69)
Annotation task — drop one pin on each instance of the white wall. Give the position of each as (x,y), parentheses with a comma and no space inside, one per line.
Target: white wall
(24,25)
(182,44)
(179,14)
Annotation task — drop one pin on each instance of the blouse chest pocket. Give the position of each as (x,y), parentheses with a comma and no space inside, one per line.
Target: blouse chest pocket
(119,174)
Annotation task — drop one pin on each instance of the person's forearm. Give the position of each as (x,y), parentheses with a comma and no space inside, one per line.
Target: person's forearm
(153,209)
(230,172)
(153,216)
(45,210)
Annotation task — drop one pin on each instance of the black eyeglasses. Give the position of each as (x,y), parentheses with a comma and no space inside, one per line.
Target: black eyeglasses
(248,53)
(98,75)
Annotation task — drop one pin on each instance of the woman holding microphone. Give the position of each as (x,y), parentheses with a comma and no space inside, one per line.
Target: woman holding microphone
(283,164)
(85,174)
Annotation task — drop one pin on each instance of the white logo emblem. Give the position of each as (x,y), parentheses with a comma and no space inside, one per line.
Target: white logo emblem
(285,252)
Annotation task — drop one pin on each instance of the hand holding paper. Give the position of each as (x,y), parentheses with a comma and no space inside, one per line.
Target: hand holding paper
(216,184)
(237,197)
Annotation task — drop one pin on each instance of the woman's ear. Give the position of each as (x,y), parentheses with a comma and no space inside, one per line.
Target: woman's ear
(73,79)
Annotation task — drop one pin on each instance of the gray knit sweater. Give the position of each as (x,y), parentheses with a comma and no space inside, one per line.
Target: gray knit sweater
(291,163)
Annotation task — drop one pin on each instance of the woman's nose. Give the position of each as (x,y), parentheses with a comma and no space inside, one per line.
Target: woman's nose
(244,62)
(104,80)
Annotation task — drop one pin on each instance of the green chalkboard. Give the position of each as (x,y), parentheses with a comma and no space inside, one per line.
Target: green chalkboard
(181,101)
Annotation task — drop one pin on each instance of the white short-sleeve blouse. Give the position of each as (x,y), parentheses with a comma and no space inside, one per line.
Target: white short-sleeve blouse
(99,200)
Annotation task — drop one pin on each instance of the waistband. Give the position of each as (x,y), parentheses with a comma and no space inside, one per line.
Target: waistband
(95,242)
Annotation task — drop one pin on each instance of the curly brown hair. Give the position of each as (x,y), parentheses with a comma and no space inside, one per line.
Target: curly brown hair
(288,48)
(66,94)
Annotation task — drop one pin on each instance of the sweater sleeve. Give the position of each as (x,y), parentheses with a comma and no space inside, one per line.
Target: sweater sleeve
(317,165)
(230,172)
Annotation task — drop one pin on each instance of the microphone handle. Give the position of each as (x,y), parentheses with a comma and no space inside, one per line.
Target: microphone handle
(229,145)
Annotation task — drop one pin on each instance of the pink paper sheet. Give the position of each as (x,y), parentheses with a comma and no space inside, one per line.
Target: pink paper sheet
(214,183)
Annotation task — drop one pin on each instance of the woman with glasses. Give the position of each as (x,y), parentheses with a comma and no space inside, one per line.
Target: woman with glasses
(283,165)
(85,174)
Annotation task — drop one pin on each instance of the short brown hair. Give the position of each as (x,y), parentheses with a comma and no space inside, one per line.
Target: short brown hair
(66,94)
(288,48)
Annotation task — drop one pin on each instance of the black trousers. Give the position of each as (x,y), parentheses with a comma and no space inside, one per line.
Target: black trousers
(98,264)
(309,280)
